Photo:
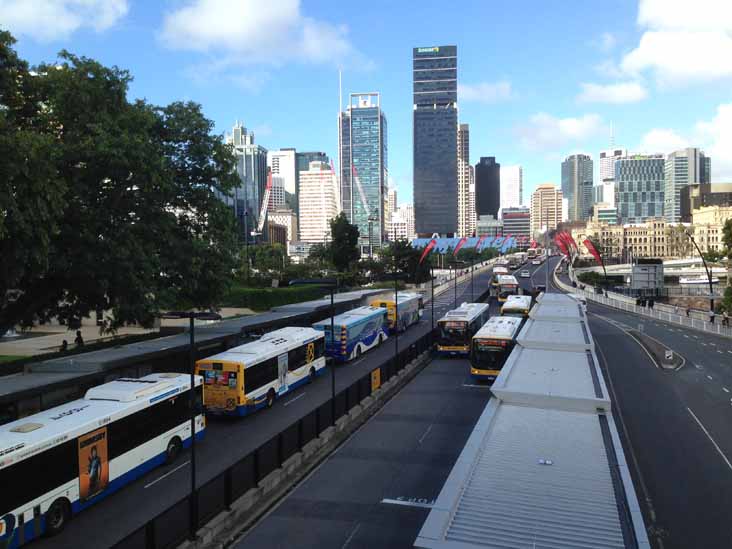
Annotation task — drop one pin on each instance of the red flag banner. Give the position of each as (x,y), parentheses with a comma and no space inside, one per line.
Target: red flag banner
(561,245)
(460,244)
(572,242)
(480,241)
(427,249)
(591,248)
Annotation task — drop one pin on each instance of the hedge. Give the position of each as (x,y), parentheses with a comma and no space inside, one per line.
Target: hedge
(263,299)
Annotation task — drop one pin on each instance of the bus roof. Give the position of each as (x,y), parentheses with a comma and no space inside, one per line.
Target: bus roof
(548,334)
(269,345)
(507,279)
(402,297)
(498,270)
(351,317)
(517,302)
(500,327)
(466,311)
(554,297)
(24,437)
(558,311)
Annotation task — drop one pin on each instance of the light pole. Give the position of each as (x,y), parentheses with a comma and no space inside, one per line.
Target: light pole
(706,268)
(192,316)
(432,300)
(331,283)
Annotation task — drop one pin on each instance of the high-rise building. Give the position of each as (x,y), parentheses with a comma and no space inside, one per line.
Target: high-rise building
(607,174)
(303,159)
(435,139)
(487,186)
(251,167)
(512,187)
(463,178)
(488,225)
(401,226)
(639,187)
(699,195)
(517,221)
(577,186)
(683,168)
(546,208)
(288,219)
(318,198)
(604,213)
(472,220)
(364,164)
(283,165)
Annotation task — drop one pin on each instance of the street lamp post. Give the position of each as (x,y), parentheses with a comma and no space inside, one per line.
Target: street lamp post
(192,316)
(706,268)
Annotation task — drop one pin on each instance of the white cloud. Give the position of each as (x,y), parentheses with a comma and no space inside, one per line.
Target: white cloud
(485,92)
(682,45)
(607,41)
(252,31)
(622,92)
(546,132)
(662,140)
(716,138)
(48,20)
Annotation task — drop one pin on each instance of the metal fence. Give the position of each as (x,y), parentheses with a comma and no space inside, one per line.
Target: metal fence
(172,526)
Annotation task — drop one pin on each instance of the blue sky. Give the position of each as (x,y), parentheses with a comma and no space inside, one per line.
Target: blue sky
(539,80)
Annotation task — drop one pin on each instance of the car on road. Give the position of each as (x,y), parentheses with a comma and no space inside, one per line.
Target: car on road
(525,274)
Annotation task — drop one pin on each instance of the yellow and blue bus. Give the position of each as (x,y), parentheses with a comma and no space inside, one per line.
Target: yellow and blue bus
(492,345)
(497,272)
(517,305)
(251,376)
(507,285)
(409,307)
(357,331)
(458,326)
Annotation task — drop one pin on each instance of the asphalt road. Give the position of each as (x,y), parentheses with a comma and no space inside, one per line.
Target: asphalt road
(228,440)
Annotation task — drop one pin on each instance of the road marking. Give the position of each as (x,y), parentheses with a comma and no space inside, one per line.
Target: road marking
(704,344)
(720,352)
(294,399)
(709,378)
(350,537)
(478,386)
(712,343)
(686,336)
(698,366)
(167,474)
(424,435)
(725,389)
(695,336)
(710,438)
(415,503)
(730,352)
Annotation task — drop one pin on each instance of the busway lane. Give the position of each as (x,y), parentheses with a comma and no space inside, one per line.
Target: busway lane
(229,439)
(684,485)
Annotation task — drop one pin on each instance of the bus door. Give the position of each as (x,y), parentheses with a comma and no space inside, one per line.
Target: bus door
(282,362)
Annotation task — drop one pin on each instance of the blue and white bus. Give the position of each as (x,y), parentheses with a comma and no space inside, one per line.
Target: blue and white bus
(60,461)
(409,307)
(356,331)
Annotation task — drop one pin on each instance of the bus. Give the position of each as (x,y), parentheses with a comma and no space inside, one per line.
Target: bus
(248,377)
(58,462)
(507,285)
(517,305)
(410,306)
(531,253)
(497,271)
(538,260)
(357,331)
(492,345)
(458,326)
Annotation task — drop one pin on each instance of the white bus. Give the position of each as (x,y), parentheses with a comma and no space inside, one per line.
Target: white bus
(250,376)
(517,305)
(457,327)
(492,345)
(507,285)
(409,306)
(58,462)
(498,271)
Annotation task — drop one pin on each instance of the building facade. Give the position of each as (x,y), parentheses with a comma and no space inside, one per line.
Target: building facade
(639,188)
(434,78)
(512,186)
(577,186)
(364,164)
(607,174)
(517,222)
(283,165)
(318,202)
(683,168)
(604,213)
(699,195)
(466,225)
(546,208)
(487,186)
(288,219)
(488,225)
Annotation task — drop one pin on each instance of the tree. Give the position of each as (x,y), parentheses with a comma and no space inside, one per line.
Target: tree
(406,259)
(727,239)
(139,228)
(344,242)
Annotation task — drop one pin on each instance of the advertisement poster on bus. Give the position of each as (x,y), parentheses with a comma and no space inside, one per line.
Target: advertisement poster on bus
(93,463)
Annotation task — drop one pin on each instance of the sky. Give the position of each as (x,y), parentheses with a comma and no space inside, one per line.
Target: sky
(538,80)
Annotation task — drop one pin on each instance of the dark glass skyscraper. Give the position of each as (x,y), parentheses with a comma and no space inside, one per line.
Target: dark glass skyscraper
(435,139)
(487,186)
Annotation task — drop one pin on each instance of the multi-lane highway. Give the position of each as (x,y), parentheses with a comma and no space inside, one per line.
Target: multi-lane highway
(228,440)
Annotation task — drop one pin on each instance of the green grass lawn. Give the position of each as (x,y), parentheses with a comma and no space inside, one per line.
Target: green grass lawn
(9,358)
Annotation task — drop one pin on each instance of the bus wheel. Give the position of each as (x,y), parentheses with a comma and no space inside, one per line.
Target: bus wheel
(173,449)
(381,339)
(57,516)
(312,375)
(270,398)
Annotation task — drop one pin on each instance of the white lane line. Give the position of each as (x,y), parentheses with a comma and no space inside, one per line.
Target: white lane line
(730,352)
(350,537)
(424,435)
(720,352)
(686,336)
(725,389)
(167,474)
(709,378)
(710,438)
(407,503)
(712,343)
(478,386)
(294,399)
(704,344)
(695,337)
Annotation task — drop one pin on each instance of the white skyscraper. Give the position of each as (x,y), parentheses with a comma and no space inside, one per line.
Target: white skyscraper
(463,179)
(318,199)
(512,186)
(607,174)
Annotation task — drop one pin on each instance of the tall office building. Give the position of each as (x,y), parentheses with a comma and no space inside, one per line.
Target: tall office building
(463,178)
(435,140)
(303,160)
(487,186)
(517,221)
(318,199)
(364,164)
(512,187)
(284,179)
(639,187)
(682,169)
(577,186)
(608,157)
(472,220)
(546,208)
(251,167)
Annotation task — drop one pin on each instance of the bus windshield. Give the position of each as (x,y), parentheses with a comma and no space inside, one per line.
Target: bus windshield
(489,355)
(453,333)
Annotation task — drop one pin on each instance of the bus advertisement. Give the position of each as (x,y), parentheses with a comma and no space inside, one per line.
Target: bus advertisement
(248,377)
(517,305)
(58,462)
(457,327)
(357,331)
(492,345)
(507,285)
(409,307)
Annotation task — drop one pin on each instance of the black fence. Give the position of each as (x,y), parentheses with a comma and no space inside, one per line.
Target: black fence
(172,526)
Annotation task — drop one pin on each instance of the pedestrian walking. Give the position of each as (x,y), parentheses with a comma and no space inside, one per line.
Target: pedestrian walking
(79,341)
(688,311)
(711,316)
(676,310)
(64,346)
(725,318)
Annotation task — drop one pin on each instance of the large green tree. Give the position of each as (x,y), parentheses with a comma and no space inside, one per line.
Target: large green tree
(344,243)
(403,258)
(129,217)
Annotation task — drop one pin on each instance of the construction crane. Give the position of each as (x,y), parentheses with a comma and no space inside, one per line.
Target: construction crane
(265,205)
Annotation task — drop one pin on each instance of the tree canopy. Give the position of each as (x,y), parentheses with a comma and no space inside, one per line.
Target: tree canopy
(106,203)
(344,243)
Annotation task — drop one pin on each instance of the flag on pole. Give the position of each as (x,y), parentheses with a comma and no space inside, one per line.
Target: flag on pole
(591,248)
(427,249)
(460,244)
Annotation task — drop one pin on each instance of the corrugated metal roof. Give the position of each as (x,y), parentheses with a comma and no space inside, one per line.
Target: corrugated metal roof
(531,478)
(567,311)
(561,336)
(567,380)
